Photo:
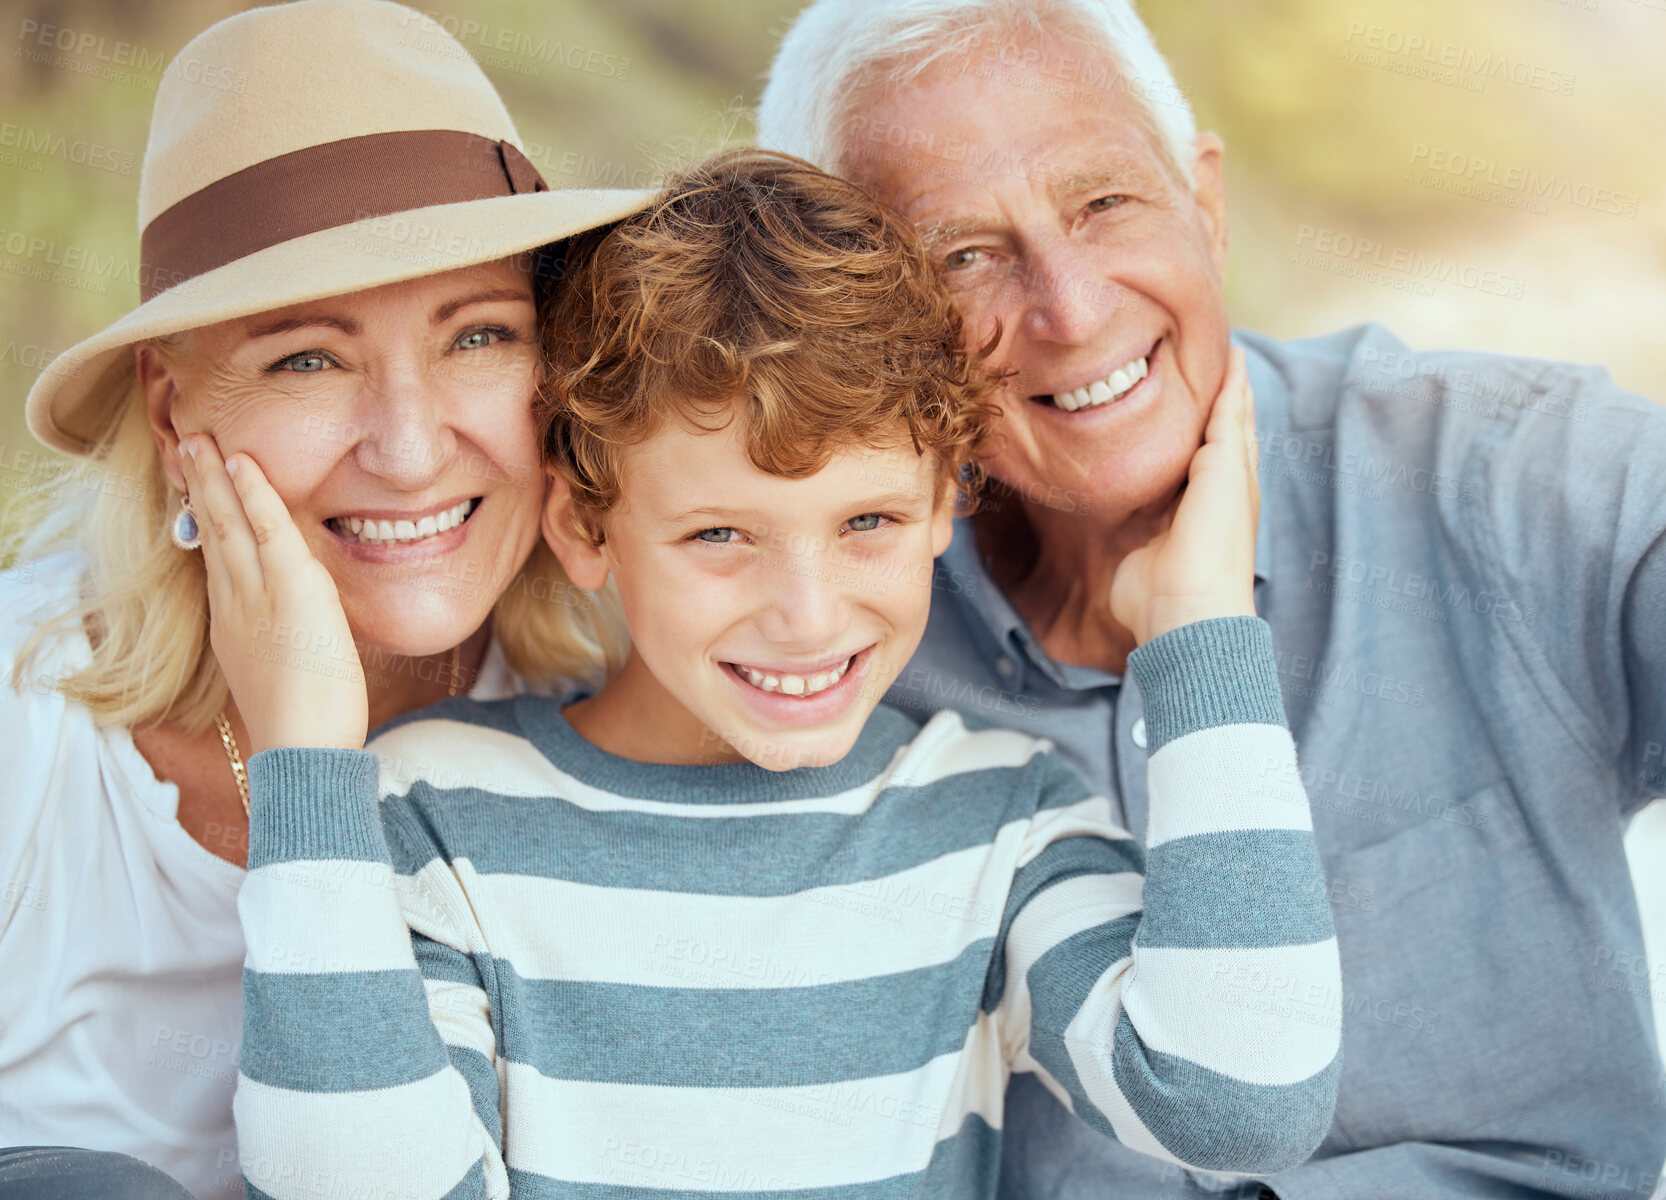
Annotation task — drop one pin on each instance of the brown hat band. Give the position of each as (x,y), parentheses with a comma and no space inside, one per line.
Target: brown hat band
(322,187)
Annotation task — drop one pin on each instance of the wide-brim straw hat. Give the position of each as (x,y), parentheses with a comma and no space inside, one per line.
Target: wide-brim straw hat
(307,150)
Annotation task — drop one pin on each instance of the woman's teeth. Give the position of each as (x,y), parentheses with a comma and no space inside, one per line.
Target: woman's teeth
(1107,389)
(794,685)
(392,533)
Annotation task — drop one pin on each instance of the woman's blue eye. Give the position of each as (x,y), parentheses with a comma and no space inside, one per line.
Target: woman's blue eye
(719,535)
(866,522)
(476,339)
(305,364)
(959,260)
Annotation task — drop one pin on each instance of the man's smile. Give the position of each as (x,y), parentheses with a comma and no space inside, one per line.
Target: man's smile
(1113,385)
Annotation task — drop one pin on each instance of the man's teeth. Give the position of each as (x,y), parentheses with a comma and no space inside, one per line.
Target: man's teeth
(388,533)
(1108,388)
(794,685)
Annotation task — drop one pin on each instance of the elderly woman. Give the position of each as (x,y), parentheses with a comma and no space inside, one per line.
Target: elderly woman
(338,263)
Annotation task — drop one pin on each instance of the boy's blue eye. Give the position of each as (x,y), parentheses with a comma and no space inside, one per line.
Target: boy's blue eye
(866,522)
(719,535)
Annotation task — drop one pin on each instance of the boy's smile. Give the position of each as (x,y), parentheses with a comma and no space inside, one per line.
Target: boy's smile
(767,615)
(779,695)
(780,679)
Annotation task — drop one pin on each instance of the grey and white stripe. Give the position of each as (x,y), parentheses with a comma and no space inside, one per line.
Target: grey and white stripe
(499,961)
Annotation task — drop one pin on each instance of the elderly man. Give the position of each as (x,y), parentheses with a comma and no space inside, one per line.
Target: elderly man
(1462,557)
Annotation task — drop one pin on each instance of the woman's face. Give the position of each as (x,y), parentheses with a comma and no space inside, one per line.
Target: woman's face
(396,424)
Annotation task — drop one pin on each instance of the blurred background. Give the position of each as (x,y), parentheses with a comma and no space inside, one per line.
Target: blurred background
(1512,147)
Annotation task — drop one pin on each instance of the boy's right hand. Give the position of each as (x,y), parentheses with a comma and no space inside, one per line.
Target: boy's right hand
(276,621)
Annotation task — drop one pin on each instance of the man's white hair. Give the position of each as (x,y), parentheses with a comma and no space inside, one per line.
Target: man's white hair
(837,50)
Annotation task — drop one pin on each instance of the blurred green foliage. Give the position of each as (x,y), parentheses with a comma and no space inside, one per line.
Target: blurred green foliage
(1321,117)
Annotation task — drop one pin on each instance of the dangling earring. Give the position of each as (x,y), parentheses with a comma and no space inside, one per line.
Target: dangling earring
(183,528)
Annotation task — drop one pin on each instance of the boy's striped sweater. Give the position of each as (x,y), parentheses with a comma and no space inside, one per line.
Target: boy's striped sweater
(504,962)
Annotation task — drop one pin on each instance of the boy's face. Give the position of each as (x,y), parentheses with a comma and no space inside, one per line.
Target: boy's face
(767,615)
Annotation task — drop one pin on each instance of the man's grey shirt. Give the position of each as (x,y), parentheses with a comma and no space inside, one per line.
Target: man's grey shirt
(1463,561)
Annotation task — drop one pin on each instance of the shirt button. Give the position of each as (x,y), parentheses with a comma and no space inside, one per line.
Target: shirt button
(1004,667)
(1138,733)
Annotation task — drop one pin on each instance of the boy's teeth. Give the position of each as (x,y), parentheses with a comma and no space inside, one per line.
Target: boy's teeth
(378,533)
(794,685)
(1106,389)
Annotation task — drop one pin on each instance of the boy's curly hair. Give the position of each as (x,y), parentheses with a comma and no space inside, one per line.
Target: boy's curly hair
(756,285)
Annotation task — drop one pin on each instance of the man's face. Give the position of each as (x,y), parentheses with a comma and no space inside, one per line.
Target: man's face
(1049,210)
(767,615)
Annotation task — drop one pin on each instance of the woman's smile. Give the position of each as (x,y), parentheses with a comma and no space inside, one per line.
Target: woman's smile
(409,535)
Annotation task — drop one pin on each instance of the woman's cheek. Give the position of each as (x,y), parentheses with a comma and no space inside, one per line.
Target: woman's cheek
(296,457)
(502,385)
(503,445)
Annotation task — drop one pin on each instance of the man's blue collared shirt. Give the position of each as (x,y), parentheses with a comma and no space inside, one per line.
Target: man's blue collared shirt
(1463,561)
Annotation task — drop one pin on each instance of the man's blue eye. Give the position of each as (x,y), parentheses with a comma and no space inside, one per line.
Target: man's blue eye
(866,522)
(721,534)
(1104,203)
(304,363)
(960,259)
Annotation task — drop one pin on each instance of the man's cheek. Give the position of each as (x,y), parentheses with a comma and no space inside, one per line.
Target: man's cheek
(1022,471)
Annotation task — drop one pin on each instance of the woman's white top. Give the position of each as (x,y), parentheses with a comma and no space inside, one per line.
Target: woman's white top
(121,956)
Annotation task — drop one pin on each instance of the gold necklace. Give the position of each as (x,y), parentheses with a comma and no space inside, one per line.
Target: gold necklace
(239,772)
(234,756)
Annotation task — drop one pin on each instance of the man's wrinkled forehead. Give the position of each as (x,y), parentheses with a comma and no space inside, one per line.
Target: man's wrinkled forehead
(953,125)
(935,168)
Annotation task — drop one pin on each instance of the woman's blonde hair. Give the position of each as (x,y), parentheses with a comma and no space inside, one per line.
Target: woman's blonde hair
(144,603)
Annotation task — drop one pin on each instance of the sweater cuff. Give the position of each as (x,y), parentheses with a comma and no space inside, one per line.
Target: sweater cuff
(314,804)
(1208,673)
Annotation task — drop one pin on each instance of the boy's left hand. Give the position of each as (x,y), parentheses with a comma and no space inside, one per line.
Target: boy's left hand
(276,621)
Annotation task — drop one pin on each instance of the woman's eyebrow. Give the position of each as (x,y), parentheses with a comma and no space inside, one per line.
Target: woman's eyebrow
(347,325)
(451,307)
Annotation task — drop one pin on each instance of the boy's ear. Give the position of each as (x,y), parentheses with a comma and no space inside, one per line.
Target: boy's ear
(942,519)
(585,563)
(161,391)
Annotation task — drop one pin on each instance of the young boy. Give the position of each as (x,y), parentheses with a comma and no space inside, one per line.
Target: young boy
(729,925)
